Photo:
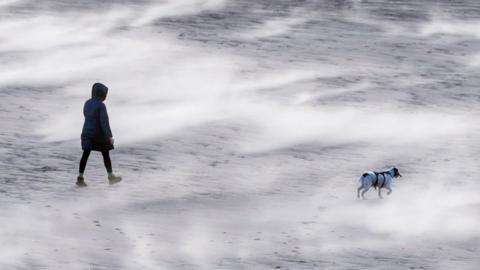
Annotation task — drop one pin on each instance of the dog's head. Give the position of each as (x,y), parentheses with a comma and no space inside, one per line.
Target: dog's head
(396,172)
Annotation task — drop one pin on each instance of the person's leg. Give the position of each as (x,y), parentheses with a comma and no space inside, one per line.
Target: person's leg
(81,170)
(107,161)
(112,179)
(83,162)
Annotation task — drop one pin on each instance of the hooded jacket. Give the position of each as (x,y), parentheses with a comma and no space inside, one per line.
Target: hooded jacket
(96,128)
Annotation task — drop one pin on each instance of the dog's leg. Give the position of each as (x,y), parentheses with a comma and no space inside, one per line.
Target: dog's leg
(389,190)
(358,191)
(380,193)
(363,193)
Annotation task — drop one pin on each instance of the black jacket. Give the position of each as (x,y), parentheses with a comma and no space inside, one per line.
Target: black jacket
(96,132)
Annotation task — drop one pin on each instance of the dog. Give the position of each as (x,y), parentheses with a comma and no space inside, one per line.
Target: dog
(377,179)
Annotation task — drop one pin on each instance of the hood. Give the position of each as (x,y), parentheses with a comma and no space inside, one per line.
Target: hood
(100,91)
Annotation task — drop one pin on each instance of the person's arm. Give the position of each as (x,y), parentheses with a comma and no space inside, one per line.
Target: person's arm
(85,109)
(104,123)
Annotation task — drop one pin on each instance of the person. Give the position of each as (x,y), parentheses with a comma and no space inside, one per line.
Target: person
(96,133)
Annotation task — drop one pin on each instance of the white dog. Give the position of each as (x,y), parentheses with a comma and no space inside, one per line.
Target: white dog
(378,179)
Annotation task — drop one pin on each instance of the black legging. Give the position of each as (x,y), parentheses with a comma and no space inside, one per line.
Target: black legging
(106,161)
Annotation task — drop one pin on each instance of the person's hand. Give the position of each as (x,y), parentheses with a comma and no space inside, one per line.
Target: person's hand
(111,140)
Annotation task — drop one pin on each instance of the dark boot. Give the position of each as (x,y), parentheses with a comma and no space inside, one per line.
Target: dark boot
(81,182)
(113,179)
